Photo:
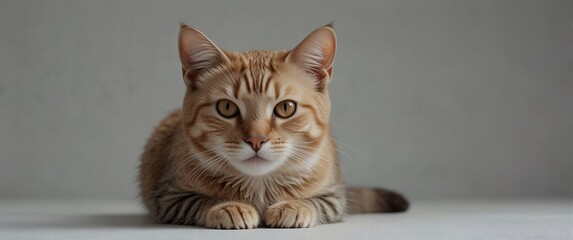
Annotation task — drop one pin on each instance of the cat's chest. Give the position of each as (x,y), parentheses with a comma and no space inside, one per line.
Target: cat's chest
(262,193)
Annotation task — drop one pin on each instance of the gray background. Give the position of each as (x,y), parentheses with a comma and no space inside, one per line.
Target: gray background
(438,99)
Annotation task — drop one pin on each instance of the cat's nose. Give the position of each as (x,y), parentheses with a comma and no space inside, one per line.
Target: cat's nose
(256,142)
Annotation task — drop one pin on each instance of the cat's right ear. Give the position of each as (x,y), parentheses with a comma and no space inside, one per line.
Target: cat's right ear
(315,54)
(198,54)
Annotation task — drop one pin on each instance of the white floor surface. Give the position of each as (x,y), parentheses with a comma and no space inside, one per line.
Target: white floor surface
(519,219)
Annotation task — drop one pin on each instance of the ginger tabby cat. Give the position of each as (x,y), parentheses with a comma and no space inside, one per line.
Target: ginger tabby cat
(251,145)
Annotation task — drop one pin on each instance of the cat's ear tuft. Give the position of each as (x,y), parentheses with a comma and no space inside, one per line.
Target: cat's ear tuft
(198,54)
(315,54)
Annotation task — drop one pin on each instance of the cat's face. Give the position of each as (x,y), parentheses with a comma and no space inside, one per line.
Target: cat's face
(257,112)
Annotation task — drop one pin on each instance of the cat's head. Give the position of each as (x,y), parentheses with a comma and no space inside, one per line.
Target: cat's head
(260,111)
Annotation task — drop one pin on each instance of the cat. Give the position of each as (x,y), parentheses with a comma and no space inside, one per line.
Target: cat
(251,144)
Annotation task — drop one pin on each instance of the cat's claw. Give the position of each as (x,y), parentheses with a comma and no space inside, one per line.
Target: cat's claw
(232,215)
(290,214)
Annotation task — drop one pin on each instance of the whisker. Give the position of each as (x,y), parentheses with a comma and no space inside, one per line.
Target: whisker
(347,147)
(310,153)
(189,159)
(299,156)
(220,165)
(335,148)
(203,169)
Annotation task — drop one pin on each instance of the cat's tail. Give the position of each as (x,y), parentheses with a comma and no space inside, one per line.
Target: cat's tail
(374,200)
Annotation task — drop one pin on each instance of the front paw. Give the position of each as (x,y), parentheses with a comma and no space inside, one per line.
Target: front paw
(290,214)
(232,215)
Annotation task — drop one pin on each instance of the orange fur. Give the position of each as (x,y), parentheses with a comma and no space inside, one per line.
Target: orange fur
(195,167)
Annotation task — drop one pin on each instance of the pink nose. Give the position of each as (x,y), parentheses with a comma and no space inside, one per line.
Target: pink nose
(256,142)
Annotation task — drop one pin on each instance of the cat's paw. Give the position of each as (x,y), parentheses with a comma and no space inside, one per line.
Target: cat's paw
(232,215)
(290,214)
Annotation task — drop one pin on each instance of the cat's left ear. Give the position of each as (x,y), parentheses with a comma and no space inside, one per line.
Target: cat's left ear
(198,54)
(315,54)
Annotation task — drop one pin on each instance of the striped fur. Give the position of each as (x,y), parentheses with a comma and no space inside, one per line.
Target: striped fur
(196,167)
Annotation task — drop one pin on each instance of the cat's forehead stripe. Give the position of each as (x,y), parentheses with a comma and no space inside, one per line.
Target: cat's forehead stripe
(236,89)
(257,72)
(266,80)
(277,89)
(269,80)
(247,82)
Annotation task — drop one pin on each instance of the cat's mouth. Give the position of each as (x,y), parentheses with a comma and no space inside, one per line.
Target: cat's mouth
(256,165)
(255,160)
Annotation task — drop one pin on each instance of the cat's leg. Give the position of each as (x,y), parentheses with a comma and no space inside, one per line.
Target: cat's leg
(304,213)
(196,209)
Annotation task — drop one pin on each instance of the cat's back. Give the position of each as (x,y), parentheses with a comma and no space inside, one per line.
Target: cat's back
(156,154)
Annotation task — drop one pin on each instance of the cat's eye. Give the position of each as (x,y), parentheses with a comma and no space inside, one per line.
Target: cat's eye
(227,108)
(285,109)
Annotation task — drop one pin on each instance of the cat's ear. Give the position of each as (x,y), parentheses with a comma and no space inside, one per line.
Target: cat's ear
(315,54)
(198,54)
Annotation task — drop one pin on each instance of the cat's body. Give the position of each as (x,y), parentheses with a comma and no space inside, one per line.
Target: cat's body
(251,145)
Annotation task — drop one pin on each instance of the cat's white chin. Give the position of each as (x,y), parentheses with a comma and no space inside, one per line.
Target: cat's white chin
(256,165)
